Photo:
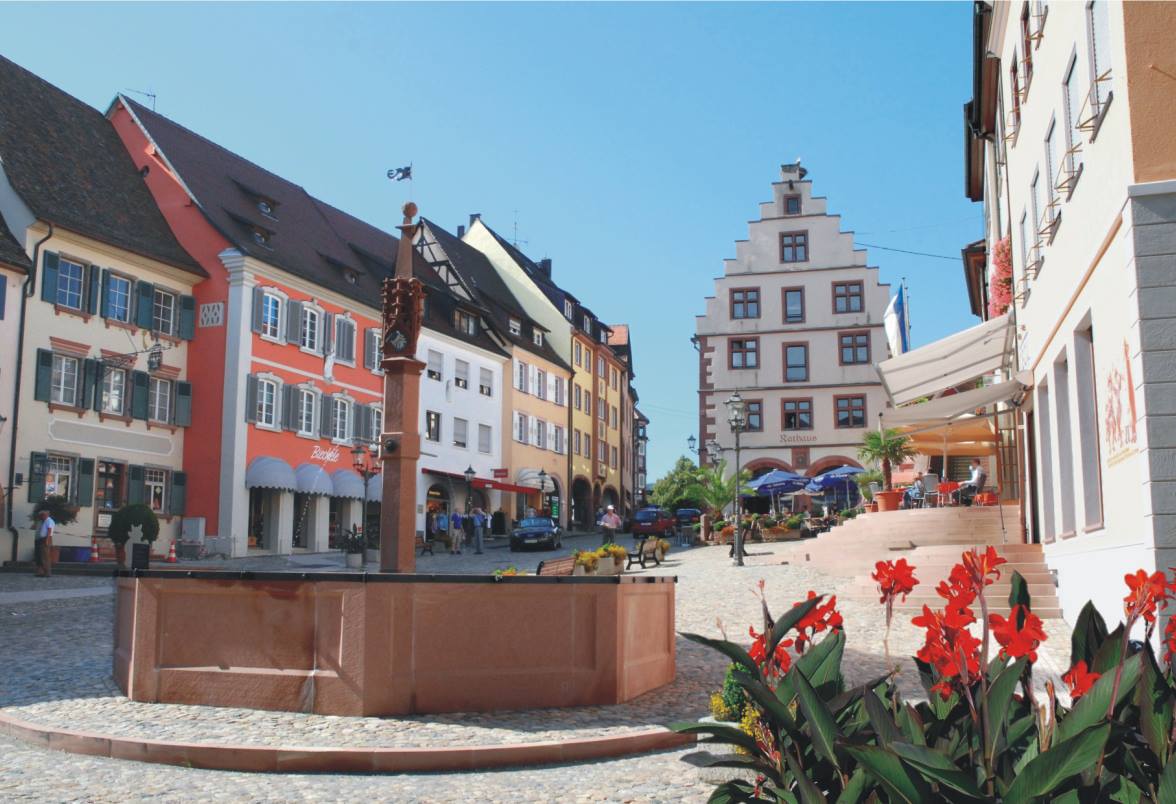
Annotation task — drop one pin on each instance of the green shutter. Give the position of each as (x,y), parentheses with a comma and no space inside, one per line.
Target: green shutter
(99,373)
(95,291)
(250,398)
(255,323)
(84,490)
(42,386)
(49,278)
(36,481)
(183,415)
(140,386)
(104,308)
(187,317)
(136,489)
(91,387)
(177,494)
(144,304)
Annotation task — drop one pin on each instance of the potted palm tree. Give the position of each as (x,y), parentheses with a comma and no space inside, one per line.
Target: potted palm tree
(886,448)
(716,491)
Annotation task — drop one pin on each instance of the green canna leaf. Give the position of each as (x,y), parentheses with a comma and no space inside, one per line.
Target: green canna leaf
(935,767)
(1000,696)
(1089,633)
(880,719)
(730,650)
(1068,758)
(888,770)
(820,719)
(1092,707)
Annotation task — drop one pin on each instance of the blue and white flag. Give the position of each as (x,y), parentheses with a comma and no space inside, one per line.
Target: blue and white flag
(894,320)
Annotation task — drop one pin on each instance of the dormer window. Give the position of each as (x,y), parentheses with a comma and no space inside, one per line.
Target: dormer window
(537,337)
(569,310)
(262,238)
(466,323)
(350,276)
(588,324)
(266,207)
(516,327)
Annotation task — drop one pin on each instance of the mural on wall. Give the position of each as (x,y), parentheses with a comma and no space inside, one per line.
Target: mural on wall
(1120,418)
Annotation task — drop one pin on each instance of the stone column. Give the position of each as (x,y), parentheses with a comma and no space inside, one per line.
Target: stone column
(282,519)
(318,524)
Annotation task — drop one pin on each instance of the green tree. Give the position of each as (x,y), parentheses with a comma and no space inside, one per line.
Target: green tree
(886,448)
(714,488)
(673,490)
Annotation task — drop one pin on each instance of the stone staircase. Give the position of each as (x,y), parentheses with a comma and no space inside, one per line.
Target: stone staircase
(931,539)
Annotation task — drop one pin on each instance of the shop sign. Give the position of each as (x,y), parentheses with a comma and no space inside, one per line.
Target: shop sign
(330,455)
(501,474)
(791,438)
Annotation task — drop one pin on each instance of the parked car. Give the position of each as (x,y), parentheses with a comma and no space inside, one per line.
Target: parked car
(536,531)
(688,516)
(654,521)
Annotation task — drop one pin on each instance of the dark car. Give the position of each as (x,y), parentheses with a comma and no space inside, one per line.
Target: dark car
(688,516)
(654,522)
(536,531)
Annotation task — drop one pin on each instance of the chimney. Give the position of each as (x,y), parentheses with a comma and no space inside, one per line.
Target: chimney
(460,231)
(792,171)
(474,216)
(545,266)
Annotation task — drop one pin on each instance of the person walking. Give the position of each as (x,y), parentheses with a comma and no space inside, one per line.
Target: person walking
(456,533)
(43,545)
(479,519)
(467,528)
(610,523)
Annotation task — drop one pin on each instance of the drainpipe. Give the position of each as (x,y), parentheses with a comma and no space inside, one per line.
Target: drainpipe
(30,287)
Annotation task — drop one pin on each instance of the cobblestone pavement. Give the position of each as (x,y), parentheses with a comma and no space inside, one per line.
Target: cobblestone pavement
(58,673)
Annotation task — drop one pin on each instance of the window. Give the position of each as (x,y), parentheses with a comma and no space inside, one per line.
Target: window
(850,411)
(599,366)
(537,337)
(377,423)
(587,401)
(374,346)
(614,378)
(1073,110)
(1015,91)
(601,410)
(1025,245)
(755,416)
(614,458)
(1035,198)
(541,435)
(615,417)
(159,400)
(796,414)
(579,353)
(794,247)
(793,305)
(792,205)
(271,316)
(64,390)
(267,406)
(432,425)
(1099,32)
(460,432)
(745,303)
(59,476)
(523,376)
(155,481)
(110,490)
(557,439)
(466,323)
(855,348)
(743,353)
(847,297)
(559,391)
(541,383)
(163,317)
(345,340)
(306,417)
(114,391)
(795,362)
(602,336)
(310,336)
(461,374)
(71,284)
(586,323)
(484,438)
(340,419)
(516,327)
(436,364)
(576,393)
(601,451)
(587,446)
(1051,165)
(576,441)
(485,382)
(521,427)
(1027,45)
(569,310)
(118,298)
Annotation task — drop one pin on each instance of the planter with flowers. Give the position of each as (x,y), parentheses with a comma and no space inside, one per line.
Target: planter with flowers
(1000,278)
(586,563)
(612,559)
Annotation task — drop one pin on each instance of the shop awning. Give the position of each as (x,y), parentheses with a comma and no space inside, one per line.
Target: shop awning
(481,482)
(347,483)
(940,411)
(313,479)
(270,473)
(375,489)
(946,363)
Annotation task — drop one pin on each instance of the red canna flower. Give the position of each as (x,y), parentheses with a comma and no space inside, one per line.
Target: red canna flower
(1170,640)
(953,652)
(821,617)
(1079,681)
(894,578)
(979,566)
(1017,642)
(758,652)
(1147,593)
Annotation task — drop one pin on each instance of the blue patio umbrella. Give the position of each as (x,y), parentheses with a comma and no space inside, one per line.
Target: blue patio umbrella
(777,481)
(841,477)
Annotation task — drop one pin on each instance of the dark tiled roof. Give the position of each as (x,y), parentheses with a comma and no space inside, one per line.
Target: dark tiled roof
(69,165)
(492,293)
(11,254)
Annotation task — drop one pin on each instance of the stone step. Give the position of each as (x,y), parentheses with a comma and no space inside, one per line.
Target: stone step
(995,591)
(1045,612)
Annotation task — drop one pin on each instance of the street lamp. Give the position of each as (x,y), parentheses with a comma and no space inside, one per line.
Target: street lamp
(366,461)
(714,451)
(692,444)
(737,418)
(542,489)
(469,476)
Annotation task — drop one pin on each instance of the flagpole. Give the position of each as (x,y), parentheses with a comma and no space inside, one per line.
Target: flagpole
(906,311)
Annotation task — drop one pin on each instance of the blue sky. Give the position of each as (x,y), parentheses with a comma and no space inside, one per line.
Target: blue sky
(631,142)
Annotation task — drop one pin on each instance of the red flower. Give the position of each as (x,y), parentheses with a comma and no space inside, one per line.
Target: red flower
(1079,681)
(817,620)
(952,651)
(1147,592)
(1170,640)
(979,566)
(894,578)
(1017,642)
(759,654)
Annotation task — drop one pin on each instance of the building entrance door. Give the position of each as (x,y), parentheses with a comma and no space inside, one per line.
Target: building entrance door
(109,492)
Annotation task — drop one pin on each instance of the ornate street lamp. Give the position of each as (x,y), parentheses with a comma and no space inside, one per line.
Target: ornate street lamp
(542,489)
(737,419)
(366,460)
(692,444)
(469,476)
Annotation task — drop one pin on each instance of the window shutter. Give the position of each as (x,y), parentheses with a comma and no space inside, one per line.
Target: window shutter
(49,278)
(250,398)
(369,348)
(36,481)
(328,333)
(136,485)
(91,388)
(144,301)
(183,407)
(351,330)
(341,338)
(104,306)
(95,276)
(294,322)
(99,373)
(84,489)
(140,387)
(187,317)
(363,424)
(177,494)
(326,404)
(288,419)
(258,295)
(44,382)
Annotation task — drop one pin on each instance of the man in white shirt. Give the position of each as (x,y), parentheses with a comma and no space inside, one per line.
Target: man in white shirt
(611,523)
(975,483)
(43,545)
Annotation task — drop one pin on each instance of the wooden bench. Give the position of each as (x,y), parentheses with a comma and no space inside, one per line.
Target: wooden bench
(645,551)
(557,566)
(423,546)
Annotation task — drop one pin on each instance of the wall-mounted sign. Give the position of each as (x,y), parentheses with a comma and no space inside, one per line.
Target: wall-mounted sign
(1119,418)
(212,314)
(104,520)
(795,438)
(329,455)
(501,474)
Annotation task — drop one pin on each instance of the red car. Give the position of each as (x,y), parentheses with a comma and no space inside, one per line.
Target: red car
(654,522)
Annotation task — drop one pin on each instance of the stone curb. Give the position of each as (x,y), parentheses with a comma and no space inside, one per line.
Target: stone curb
(299,759)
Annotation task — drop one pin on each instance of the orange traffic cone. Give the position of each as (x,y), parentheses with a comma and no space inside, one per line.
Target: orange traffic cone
(94,550)
(171,553)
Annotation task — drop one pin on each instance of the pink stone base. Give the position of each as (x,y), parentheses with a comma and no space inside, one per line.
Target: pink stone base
(350,647)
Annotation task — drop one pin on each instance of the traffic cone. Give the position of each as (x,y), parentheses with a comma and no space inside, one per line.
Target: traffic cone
(94,549)
(171,552)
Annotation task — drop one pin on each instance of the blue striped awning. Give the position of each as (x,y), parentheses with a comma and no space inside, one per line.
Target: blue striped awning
(347,483)
(270,473)
(313,479)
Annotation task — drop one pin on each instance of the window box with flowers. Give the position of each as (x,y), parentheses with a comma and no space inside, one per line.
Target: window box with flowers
(1000,278)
